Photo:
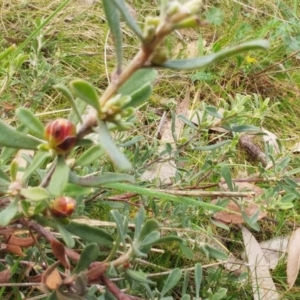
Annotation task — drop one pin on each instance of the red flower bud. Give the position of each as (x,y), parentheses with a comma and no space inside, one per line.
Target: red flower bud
(62,207)
(61,135)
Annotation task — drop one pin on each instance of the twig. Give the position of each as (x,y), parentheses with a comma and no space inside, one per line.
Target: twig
(115,290)
(201,193)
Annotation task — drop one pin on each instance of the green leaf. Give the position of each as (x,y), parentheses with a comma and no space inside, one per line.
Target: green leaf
(12,138)
(96,181)
(105,140)
(7,214)
(90,234)
(80,107)
(220,294)
(59,178)
(211,110)
(150,239)
(242,128)
(217,254)
(39,158)
(214,146)
(140,96)
(66,236)
(171,281)
(28,118)
(198,279)
(186,297)
(163,196)
(169,239)
(139,79)
(147,228)
(7,52)
(113,21)
(68,95)
(89,156)
(139,219)
(86,92)
(35,193)
(214,16)
(88,255)
(201,62)
(74,190)
(119,221)
(226,174)
(121,6)
(139,276)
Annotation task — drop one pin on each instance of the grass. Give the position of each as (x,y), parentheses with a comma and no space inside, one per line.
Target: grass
(76,44)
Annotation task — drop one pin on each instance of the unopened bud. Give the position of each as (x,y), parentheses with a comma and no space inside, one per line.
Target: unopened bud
(62,207)
(61,135)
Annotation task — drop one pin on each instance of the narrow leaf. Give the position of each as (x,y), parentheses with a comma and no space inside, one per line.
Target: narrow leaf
(139,276)
(66,236)
(118,159)
(90,234)
(243,128)
(198,279)
(7,214)
(59,178)
(39,158)
(201,62)
(28,118)
(164,196)
(113,21)
(121,6)
(139,79)
(88,255)
(226,174)
(12,138)
(89,156)
(139,219)
(119,221)
(171,281)
(140,96)
(214,146)
(211,110)
(68,95)
(86,92)
(96,181)
(35,193)
(147,228)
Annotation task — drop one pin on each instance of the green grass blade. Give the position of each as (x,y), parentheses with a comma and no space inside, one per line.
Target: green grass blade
(164,196)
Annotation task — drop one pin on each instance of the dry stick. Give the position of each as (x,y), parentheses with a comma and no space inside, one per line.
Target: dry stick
(115,290)
(274,65)
(201,193)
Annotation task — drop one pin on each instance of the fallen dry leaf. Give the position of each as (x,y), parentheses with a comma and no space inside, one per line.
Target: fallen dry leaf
(274,249)
(262,283)
(165,171)
(271,139)
(53,280)
(5,276)
(13,249)
(59,252)
(293,258)
(250,207)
